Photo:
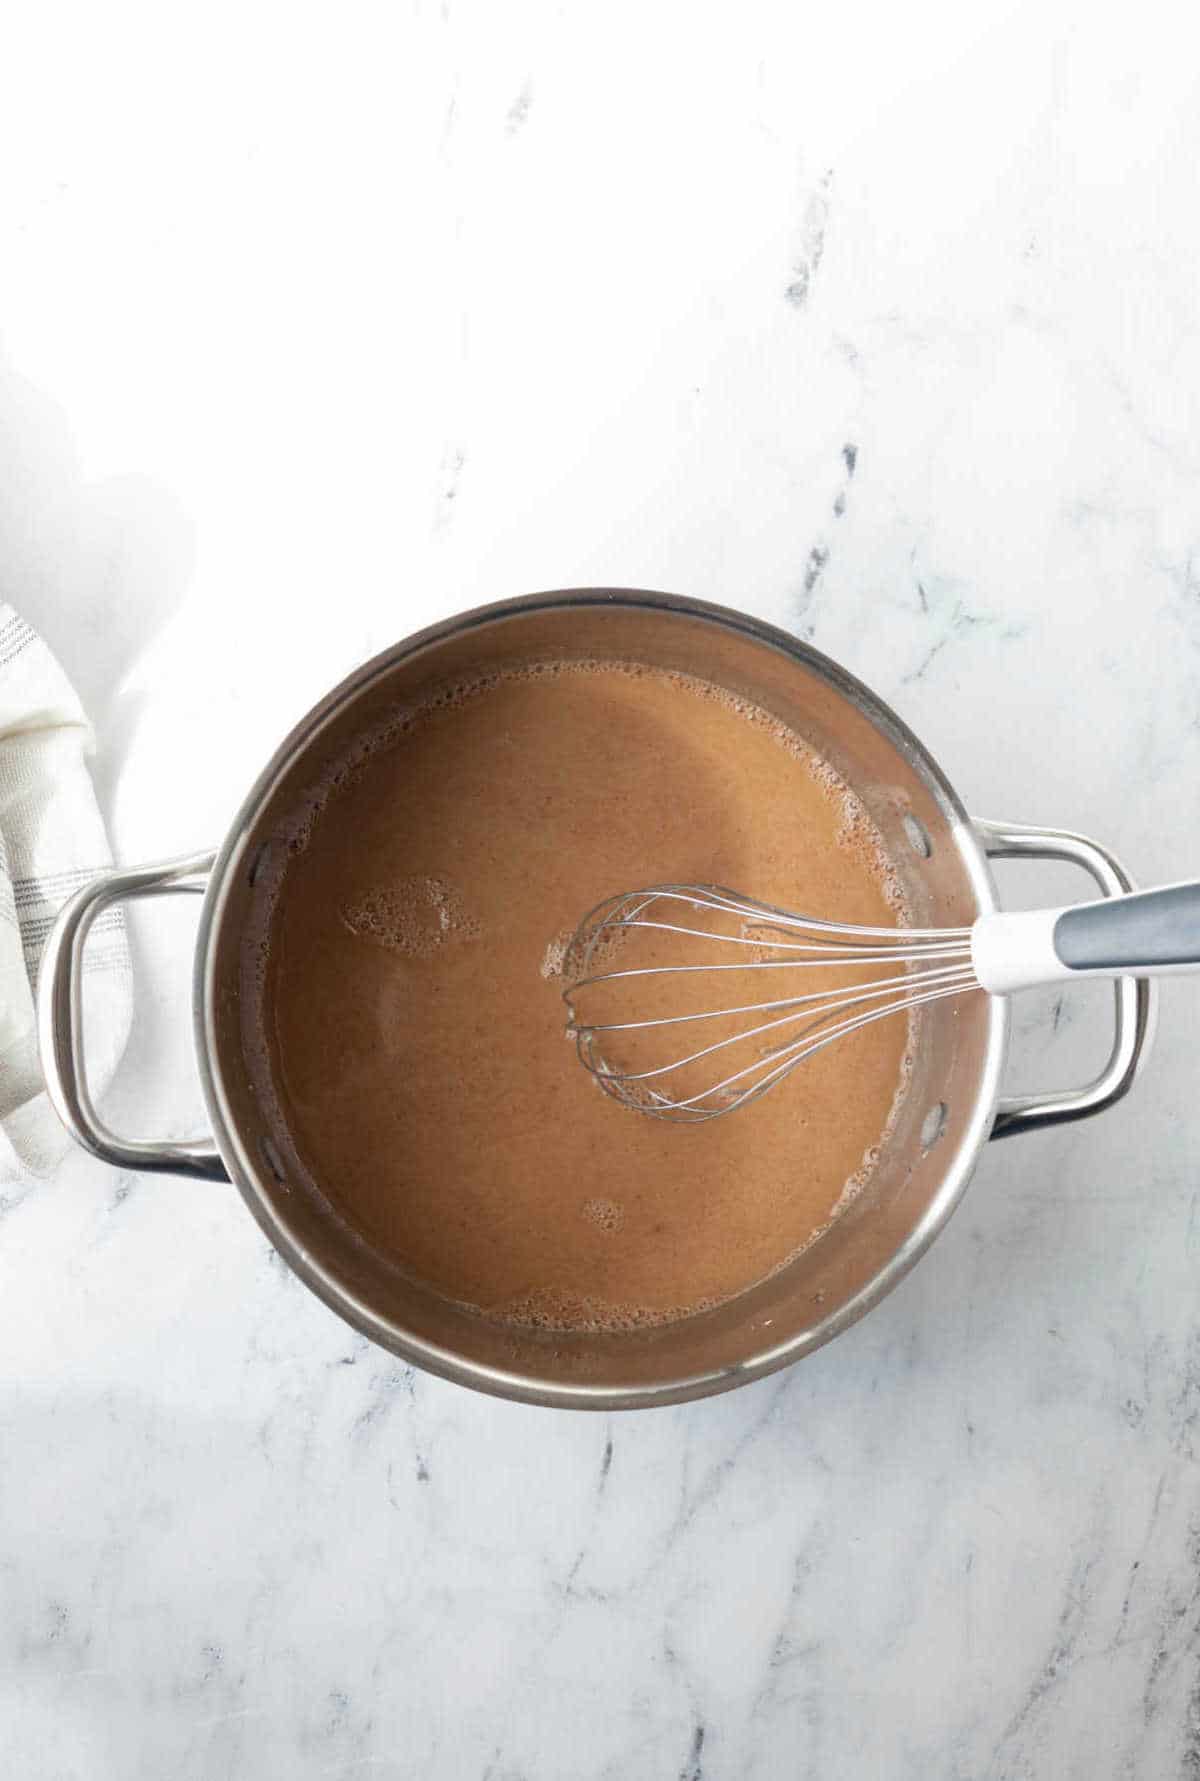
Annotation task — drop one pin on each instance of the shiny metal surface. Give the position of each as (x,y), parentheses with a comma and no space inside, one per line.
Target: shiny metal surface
(919,1180)
(60,1020)
(1136,999)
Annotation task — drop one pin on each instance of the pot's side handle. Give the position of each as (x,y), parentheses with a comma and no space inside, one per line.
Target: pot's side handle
(60,1020)
(1136,998)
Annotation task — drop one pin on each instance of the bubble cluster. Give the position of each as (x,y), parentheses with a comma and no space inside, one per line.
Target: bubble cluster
(555,954)
(416,916)
(584,951)
(566,1313)
(606,1215)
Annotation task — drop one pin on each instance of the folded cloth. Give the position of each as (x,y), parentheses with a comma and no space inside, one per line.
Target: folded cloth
(52,841)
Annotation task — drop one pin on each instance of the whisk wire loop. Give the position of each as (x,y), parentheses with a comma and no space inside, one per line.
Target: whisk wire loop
(675,1083)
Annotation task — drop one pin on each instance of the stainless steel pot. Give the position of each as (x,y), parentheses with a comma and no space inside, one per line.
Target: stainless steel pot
(954,1105)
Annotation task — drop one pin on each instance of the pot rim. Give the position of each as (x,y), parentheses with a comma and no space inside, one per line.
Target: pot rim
(244,1169)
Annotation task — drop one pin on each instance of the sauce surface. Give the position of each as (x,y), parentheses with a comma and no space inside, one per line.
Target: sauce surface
(412,1010)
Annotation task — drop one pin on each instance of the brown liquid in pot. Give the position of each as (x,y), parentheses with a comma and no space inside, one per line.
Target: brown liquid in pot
(413,1016)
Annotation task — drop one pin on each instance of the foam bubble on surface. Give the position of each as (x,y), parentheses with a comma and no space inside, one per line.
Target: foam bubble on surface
(555,954)
(606,1215)
(416,916)
(547,1308)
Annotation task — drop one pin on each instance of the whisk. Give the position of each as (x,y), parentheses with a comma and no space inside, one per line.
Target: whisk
(646,1031)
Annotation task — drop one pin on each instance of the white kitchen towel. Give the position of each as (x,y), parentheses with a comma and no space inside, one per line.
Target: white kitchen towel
(52,841)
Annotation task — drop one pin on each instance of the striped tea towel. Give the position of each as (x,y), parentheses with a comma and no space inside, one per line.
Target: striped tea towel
(52,841)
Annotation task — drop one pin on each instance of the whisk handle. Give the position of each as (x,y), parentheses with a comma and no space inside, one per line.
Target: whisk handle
(1154,933)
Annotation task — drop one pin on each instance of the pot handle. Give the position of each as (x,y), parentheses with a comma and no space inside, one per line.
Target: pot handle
(60,1020)
(1136,997)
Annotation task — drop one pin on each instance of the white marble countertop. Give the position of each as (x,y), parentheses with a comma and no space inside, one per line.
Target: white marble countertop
(316,323)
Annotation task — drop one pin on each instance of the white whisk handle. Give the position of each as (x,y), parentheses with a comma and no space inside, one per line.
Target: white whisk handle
(1153,933)
(1016,950)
